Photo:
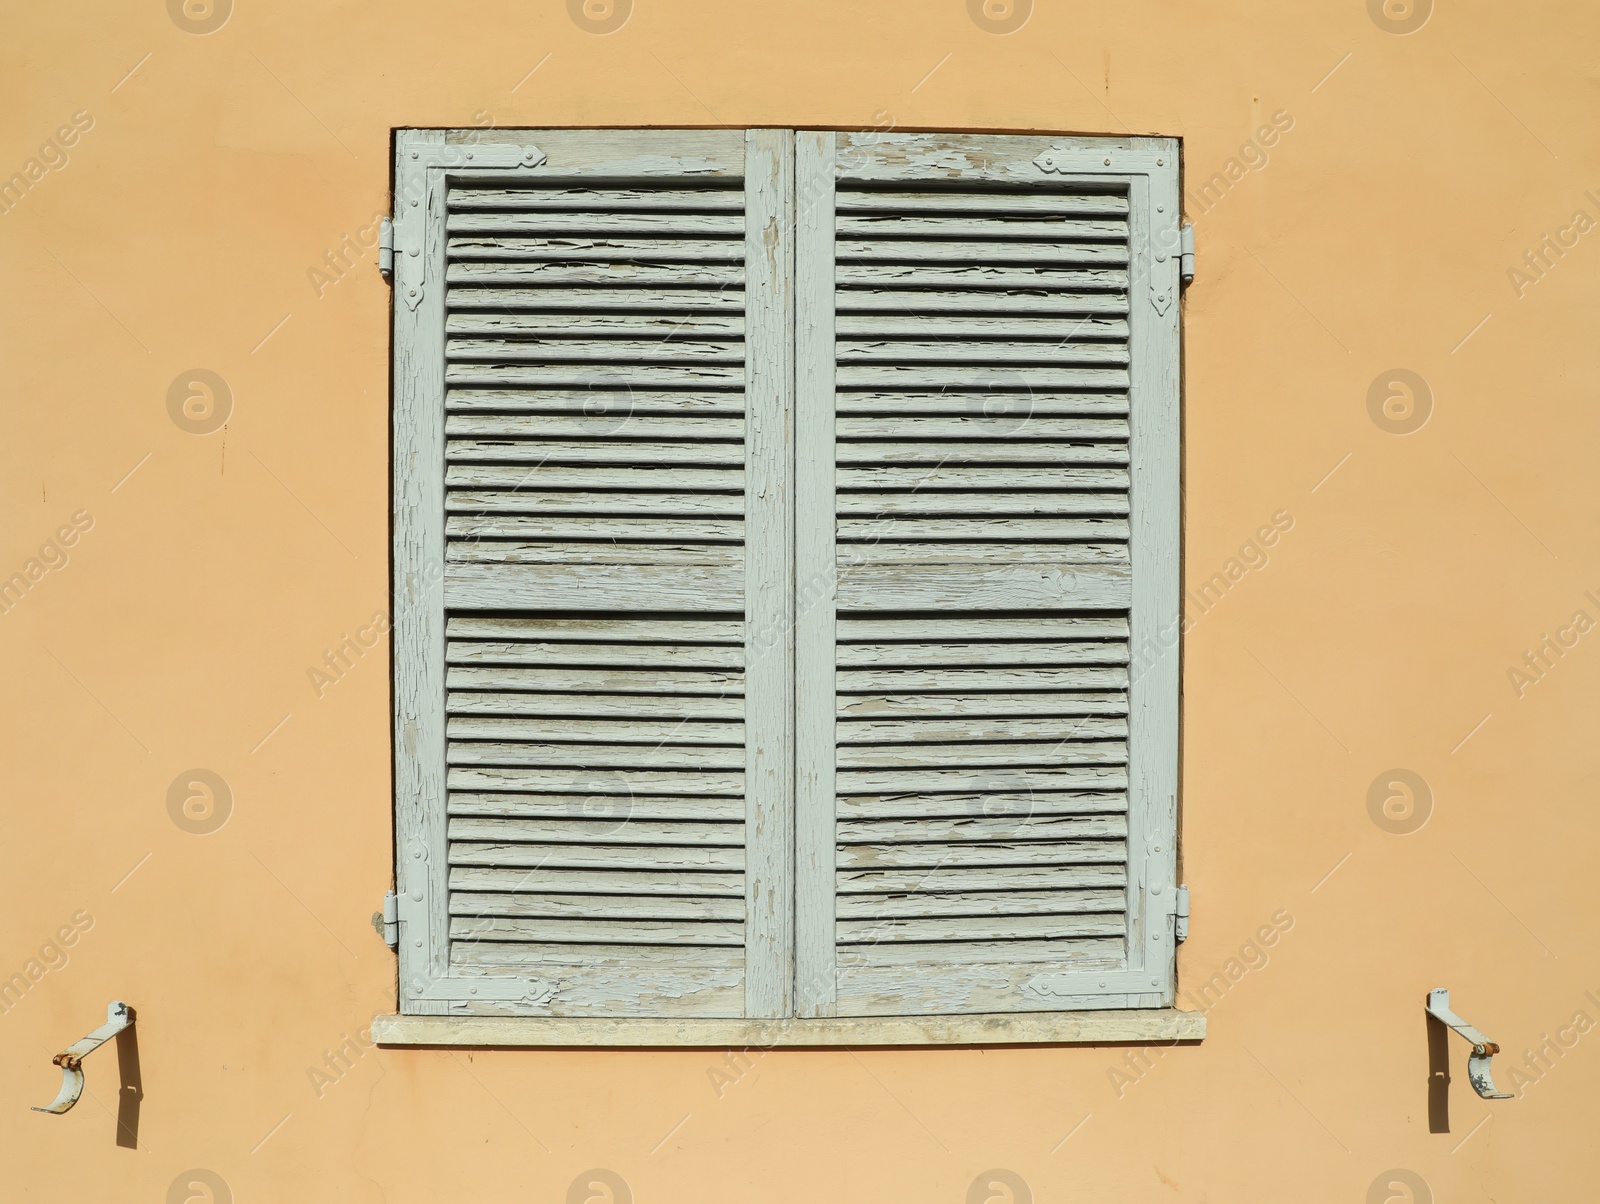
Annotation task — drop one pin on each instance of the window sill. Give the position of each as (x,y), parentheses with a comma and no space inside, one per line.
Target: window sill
(1020,1028)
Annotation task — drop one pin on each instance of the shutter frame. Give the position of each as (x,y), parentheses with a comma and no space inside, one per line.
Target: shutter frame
(800,590)
(1147,168)
(427,585)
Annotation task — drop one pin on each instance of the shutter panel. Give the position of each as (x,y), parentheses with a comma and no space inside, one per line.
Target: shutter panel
(593,743)
(987,490)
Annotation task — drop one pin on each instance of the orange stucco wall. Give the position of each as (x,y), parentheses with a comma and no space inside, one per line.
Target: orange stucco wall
(174,626)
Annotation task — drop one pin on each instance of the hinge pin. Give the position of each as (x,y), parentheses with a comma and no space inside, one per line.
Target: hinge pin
(386,248)
(387,921)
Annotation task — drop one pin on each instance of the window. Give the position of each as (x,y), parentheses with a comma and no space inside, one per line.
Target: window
(774,514)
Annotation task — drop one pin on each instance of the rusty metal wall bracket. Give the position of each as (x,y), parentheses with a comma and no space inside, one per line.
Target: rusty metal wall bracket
(1482,1048)
(118,1017)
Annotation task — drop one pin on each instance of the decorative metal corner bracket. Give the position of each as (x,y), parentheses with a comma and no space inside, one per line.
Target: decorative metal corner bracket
(1082,161)
(118,1017)
(420,177)
(1165,239)
(1483,1049)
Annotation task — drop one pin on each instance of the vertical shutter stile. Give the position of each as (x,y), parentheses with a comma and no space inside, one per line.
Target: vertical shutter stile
(1003,436)
(815,575)
(577,463)
(769,638)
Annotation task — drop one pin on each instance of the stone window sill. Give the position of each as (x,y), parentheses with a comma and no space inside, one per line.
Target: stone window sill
(1019,1028)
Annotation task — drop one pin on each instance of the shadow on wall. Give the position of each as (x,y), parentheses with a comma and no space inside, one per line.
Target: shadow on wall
(1438,1075)
(131,1092)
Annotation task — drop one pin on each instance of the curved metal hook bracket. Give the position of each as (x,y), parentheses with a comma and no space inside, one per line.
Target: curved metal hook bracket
(1482,1048)
(118,1017)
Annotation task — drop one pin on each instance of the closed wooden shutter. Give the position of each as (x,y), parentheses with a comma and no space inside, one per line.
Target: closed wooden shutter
(987,494)
(785,585)
(593,557)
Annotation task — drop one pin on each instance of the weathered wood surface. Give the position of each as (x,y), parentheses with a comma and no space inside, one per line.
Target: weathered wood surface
(684,299)
(1111,1026)
(597,780)
(1027,208)
(857,506)
(1046,586)
(631,586)
(815,552)
(591,415)
(633,730)
(601,814)
(594,201)
(995,803)
(989,448)
(670,707)
(567,880)
(769,532)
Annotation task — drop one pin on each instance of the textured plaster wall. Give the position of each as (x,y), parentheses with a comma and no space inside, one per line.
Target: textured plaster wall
(1369,204)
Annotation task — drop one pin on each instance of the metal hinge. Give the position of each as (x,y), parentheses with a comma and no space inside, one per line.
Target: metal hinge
(1180,915)
(1186,253)
(387,921)
(386,249)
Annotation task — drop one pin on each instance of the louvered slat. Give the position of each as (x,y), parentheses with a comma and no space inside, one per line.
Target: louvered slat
(570,351)
(605,834)
(981,445)
(595,466)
